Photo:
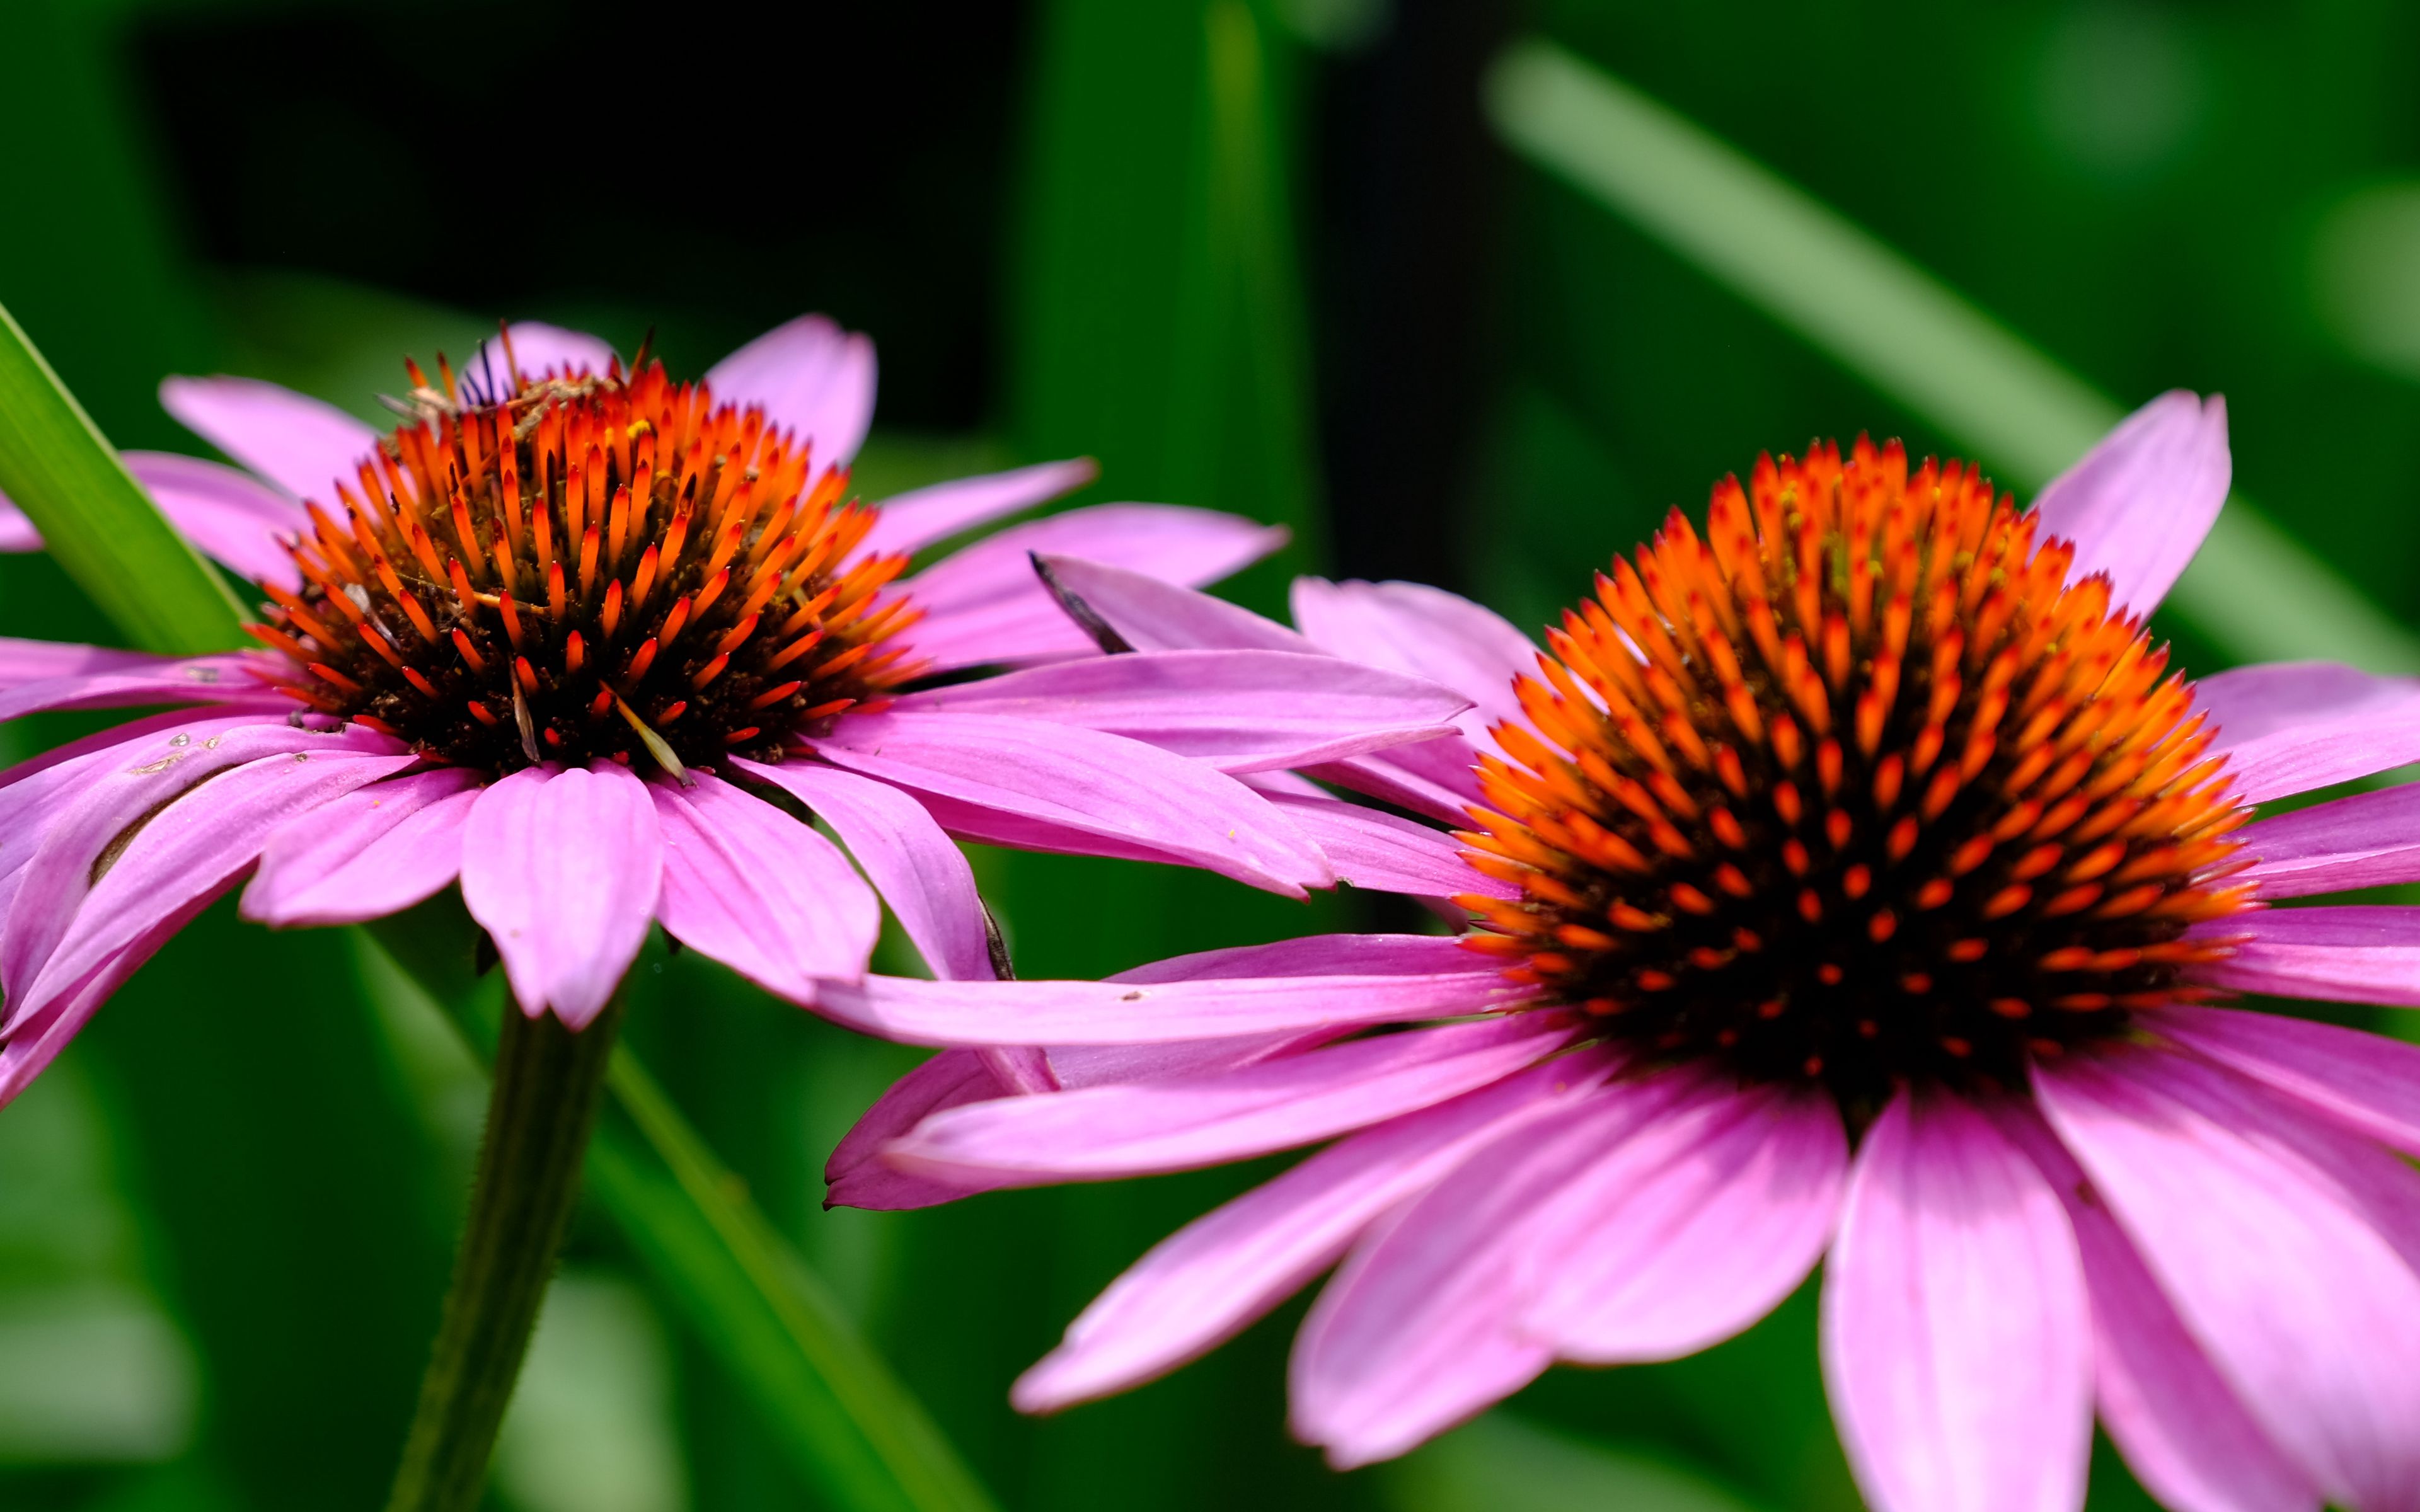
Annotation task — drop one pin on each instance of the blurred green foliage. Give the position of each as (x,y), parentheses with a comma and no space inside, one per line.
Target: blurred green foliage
(1076,226)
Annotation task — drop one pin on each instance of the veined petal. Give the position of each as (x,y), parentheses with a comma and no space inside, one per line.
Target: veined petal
(755,890)
(2291,727)
(1083,785)
(2369,839)
(24,662)
(919,871)
(913,520)
(2287,1246)
(1210,1278)
(28,1046)
(375,851)
(1956,1333)
(1239,711)
(2355,953)
(1103,1133)
(811,376)
(1120,1012)
(1691,1230)
(1316,956)
(2139,503)
(295,441)
(1424,631)
(1153,614)
(563,871)
(2366,1081)
(857,1176)
(1379,852)
(2183,1432)
(986,606)
(231,515)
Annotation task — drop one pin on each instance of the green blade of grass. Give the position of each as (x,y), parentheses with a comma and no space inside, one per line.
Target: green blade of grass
(2254,590)
(852,1430)
(97,521)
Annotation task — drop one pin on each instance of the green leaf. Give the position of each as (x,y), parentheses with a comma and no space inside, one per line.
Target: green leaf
(2254,590)
(97,521)
(1502,1463)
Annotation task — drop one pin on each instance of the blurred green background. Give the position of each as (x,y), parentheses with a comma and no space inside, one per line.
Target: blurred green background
(1262,254)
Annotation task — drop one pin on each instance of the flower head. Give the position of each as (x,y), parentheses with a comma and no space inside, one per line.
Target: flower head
(594,642)
(1849,878)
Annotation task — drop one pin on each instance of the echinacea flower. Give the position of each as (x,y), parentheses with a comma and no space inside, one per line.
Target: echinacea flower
(1852,880)
(590,641)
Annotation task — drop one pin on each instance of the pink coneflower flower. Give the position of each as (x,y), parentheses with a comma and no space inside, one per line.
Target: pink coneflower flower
(588,640)
(1852,880)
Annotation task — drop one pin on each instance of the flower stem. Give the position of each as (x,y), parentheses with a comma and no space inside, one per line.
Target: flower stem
(540,1111)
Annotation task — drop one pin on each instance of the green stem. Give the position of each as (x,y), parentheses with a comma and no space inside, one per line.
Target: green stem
(540,1111)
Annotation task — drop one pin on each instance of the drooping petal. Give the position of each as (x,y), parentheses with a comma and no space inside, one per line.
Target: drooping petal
(1239,711)
(1417,1331)
(1104,1132)
(1083,787)
(1210,1278)
(135,781)
(295,441)
(857,1176)
(2285,1244)
(1692,1230)
(190,851)
(919,871)
(2366,1081)
(42,661)
(219,679)
(17,532)
(373,851)
(1377,851)
(2139,503)
(1956,1333)
(563,871)
(1153,614)
(755,890)
(986,606)
(811,376)
(2183,1432)
(539,349)
(1425,631)
(913,520)
(1315,955)
(1430,777)
(2370,840)
(2355,953)
(1117,1012)
(2290,727)
(31,1044)
(229,514)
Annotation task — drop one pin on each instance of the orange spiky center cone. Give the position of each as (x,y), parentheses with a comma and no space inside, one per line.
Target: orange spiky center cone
(1856,788)
(590,568)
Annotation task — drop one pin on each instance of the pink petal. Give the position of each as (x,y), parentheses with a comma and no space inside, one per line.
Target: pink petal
(1104,1133)
(1430,776)
(1239,711)
(373,851)
(2364,1080)
(986,605)
(563,871)
(2285,1246)
(219,679)
(29,1046)
(1425,631)
(1956,1333)
(2181,1428)
(297,442)
(1317,955)
(857,1176)
(2370,840)
(2290,727)
(2357,953)
(540,349)
(138,781)
(40,661)
(1207,1281)
(1383,854)
(190,852)
(17,532)
(1690,1230)
(231,515)
(919,871)
(913,520)
(1083,789)
(2138,504)
(748,885)
(810,375)
(1150,614)
(1118,1012)
(1417,1331)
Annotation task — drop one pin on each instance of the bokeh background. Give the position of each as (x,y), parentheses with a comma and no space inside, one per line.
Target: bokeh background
(1269,255)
